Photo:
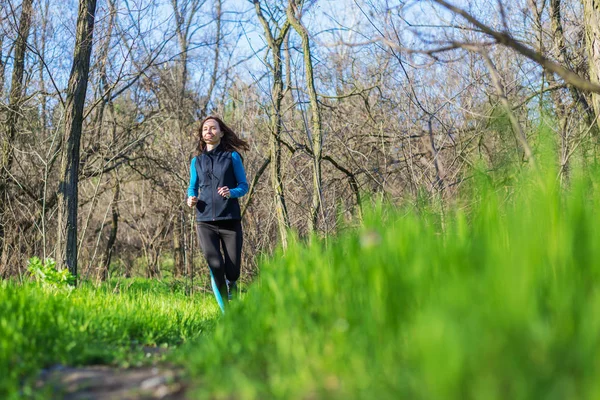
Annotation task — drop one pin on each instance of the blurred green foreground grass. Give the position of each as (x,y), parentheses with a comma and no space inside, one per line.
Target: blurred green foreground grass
(497,298)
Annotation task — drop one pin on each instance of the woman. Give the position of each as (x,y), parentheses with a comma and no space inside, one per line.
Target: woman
(218,173)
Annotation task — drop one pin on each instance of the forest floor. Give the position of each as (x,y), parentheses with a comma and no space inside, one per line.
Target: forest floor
(102,382)
(109,341)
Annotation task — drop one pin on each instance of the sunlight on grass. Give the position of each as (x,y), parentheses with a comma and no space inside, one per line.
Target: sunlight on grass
(500,303)
(88,325)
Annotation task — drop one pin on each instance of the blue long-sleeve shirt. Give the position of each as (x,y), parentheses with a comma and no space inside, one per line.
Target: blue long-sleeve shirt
(238,170)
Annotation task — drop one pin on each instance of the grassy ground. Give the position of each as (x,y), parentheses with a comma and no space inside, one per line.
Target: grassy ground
(106,325)
(497,298)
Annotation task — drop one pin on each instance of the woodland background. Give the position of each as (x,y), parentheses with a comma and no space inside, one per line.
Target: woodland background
(340,101)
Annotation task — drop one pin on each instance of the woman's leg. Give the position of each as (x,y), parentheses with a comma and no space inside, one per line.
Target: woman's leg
(232,239)
(210,243)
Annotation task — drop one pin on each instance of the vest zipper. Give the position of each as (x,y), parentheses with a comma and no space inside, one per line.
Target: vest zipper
(212,178)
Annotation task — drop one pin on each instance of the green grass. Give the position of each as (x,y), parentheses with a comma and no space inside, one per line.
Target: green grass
(108,325)
(500,299)
(495,296)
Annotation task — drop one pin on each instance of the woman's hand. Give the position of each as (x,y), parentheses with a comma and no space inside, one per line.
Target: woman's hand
(191,201)
(224,191)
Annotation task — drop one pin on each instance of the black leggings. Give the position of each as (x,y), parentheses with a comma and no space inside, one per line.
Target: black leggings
(228,235)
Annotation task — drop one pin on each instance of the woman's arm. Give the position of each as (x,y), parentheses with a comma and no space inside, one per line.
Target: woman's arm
(193,187)
(240,176)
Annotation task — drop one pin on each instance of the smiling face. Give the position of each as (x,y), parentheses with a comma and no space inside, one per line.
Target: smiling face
(211,132)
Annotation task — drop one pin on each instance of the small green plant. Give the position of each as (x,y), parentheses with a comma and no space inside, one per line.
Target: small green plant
(46,273)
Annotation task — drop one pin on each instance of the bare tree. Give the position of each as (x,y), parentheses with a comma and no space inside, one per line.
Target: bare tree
(294,11)
(14,112)
(560,46)
(275,36)
(591,20)
(114,227)
(217,53)
(506,39)
(75,100)
(517,129)
(327,117)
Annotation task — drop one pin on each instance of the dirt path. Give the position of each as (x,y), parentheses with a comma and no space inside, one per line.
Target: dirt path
(101,382)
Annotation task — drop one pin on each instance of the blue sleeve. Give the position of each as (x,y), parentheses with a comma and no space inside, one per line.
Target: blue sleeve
(240,176)
(193,187)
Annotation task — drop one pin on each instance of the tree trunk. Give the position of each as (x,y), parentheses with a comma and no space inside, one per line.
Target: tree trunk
(518,130)
(184,15)
(178,240)
(183,49)
(559,105)
(68,190)
(2,66)
(214,76)
(560,44)
(317,132)
(104,90)
(153,269)
(44,101)
(275,44)
(15,100)
(112,237)
(591,20)
(275,151)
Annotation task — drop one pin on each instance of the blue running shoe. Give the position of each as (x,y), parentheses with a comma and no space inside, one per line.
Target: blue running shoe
(232,289)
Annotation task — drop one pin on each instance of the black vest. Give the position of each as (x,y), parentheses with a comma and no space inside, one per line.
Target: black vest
(215,169)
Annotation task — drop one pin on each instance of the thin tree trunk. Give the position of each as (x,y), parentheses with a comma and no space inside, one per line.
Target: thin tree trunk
(183,19)
(2,66)
(439,181)
(183,48)
(14,111)
(288,66)
(112,237)
(42,79)
(104,89)
(275,44)
(560,43)
(578,99)
(591,21)
(561,115)
(317,132)
(68,190)
(518,130)
(275,153)
(153,269)
(213,77)
(178,240)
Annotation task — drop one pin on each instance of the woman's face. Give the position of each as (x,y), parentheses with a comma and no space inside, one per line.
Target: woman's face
(211,132)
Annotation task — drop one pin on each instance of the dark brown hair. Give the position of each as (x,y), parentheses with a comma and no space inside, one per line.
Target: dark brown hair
(230,140)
